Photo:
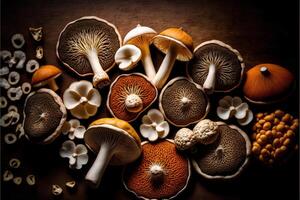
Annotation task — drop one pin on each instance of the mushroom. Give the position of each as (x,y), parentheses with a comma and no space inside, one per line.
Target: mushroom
(206,131)
(226,157)
(19,58)
(56,190)
(4,71)
(14,93)
(14,163)
(154,126)
(184,139)
(77,154)
(73,129)
(216,66)
(26,87)
(39,52)
(127,57)
(10,138)
(46,75)
(13,78)
(183,102)
(7,175)
(10,118)
(117,143)
(129,95)
(32,65)
(160,173)
(20,130)
(18,40)
(71,184)
(3,102)
(176,44)
(87,46)
(44,116)
(82,99)
(4,83)
(17,180)
(36,33)
(141,36)
(5,57)
(267,83)
(30,179)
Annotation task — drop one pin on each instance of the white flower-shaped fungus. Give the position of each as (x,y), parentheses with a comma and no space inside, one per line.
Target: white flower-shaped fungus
(73,129)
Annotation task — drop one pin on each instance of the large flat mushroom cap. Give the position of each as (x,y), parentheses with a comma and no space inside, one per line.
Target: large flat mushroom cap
(127,149)
(226,157)
(124,85)
(228,61)
(179,38)
(137,176)
(183,102)
(44,116)
(267,86)
(76,33)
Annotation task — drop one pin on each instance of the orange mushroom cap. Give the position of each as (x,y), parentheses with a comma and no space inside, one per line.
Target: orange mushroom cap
(267,83)
(45,73)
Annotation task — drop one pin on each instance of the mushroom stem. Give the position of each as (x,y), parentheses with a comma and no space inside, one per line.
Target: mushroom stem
(165,68)
(147,62)
(133,103)
(100,78)
(264,70)
(209,83)
(95,173)
(52,84)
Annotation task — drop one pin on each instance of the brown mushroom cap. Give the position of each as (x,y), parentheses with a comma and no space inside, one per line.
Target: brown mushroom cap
(44,116)
(110,41)
(125,85)
(168,182)
(228,61)
(226,157)
(177,37)
(183,102)
(45,73)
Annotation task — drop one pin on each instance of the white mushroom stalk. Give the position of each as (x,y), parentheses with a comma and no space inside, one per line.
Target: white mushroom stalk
(156,172)
(209,83)
(141,36)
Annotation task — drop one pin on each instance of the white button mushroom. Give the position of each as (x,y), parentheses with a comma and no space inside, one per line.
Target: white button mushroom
(127,57)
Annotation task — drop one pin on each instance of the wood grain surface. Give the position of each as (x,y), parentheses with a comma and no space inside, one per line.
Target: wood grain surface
(263,32)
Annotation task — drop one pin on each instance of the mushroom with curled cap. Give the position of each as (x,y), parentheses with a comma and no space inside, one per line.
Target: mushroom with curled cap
(44,116)
(141,36)
(176,44)
(183,102)
(87,46)
(116,142)
(161,172)
(216,66)
(127,57)
(226,157)
(267,83)
(46,75)
(129,95)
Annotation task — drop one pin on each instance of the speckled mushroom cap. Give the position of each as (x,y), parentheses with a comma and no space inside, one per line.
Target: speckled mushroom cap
(78,62)
(226,157)
(161,172)
(183,102)
(228,61)
(122,87)
(44,116)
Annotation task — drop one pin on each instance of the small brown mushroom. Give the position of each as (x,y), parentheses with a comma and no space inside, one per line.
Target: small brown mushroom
(183,102)
(44,116)
(87,46)
(46,75)
(216,66)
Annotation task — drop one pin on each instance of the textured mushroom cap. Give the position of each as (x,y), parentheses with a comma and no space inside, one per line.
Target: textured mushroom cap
(179,38)
(45,73)
(44,116)
(125,85)
(173,96)
(176,169)
(139,36)
(226,157)
(267,86)
(206,131)
(184,139)
(128,142)
(228,61)
(72,44)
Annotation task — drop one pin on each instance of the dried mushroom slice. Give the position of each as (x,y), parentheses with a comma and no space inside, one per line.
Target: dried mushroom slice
(87,46)
(183,102)
(216,66)
(226,157)
(44,116)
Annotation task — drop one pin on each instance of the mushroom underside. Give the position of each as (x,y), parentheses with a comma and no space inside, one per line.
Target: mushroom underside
(225,156)
(86,35)
(228,66)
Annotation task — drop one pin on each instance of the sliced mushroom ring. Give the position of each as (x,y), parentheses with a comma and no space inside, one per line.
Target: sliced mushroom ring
(216,66)
(4,83)
(17,40)
(26,87)
(32,65)
(14,163)
(183,102)
(14,94)
(3,102)
(10,138)
(13,78)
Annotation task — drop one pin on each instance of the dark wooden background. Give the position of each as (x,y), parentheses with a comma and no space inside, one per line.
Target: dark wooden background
(263,32)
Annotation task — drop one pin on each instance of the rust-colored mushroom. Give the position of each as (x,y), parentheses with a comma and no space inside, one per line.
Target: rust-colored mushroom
(46,75)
